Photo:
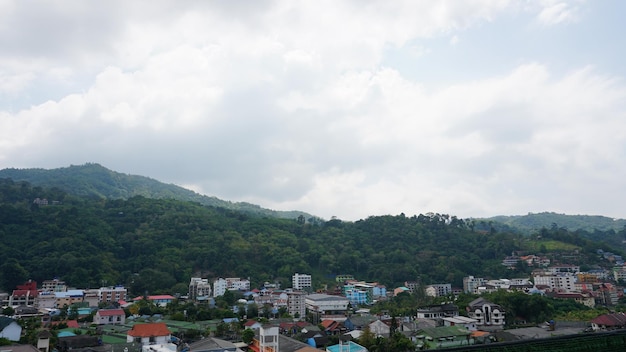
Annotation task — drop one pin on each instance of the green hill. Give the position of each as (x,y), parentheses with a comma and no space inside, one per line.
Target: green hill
(94,180)
(156,245)
(537,221)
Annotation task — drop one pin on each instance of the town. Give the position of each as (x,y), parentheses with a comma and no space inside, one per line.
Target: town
(304,317)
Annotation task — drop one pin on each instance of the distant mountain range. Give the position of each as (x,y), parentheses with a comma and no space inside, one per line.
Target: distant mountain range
(95,180)
(533,222)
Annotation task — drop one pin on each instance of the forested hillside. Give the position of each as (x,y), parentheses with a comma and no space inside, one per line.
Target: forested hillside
(155,245)
(94,180)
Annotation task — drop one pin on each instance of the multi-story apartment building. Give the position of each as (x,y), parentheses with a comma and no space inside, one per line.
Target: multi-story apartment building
(296,304)
(113,294)
(24,295)
(230,283)
(301,281)
(471,284)
(68,298)
(54,285)
(564,282)
(199,289)
(565,268)
(438,290)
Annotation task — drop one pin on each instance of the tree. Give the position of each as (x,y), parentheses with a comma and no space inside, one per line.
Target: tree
(12,273)
(367,339)
(247,336)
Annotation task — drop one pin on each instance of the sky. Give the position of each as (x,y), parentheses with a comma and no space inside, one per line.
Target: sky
(345,109)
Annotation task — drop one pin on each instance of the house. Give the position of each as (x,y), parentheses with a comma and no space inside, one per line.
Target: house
(486,313)
(20,348)
(43,341)
(332,327)
(159,300)
(109,316)
(609,321)
(69,343)
(468,323)
(149,334)
(359,322)
(211,344)
(252,324)
(438,311)
(10,329)
(443,336)
(379,328)
(346,346)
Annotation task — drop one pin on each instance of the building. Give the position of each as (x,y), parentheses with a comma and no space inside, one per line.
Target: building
(412,286)
(486,313)
(564,282)
(468,323)
(113,294)
(609,322)
(438,311)
(109,317)
(149,334)
(471,284)
(54,285)
(441,337)
(327,305)
(301,281)
(296,306)
(220,285)
(199,289)
(69,297)
(159,300)
(438,290)
(24,295)
(10,329)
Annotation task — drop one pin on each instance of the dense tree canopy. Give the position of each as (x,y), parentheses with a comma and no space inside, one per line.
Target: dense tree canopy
(155,245)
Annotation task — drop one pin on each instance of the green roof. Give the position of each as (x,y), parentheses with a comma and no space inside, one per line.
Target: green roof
(444,331)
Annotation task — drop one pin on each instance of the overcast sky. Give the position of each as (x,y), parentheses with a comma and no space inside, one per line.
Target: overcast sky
(337,108)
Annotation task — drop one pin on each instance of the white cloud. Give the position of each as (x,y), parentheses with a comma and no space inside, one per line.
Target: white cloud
(288,105)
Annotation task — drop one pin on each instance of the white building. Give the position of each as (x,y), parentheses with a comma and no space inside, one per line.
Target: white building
(326,304)
(564,282)
(199,288)
(438,290)
(230,283)
(296,304)
(486,313)
(301,281)
(471,284)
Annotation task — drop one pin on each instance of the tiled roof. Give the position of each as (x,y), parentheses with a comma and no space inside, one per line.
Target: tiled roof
(110,312)
(615,319)
(153,298)
(148,330)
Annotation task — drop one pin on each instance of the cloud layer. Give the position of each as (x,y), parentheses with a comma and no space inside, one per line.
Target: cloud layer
(344,109)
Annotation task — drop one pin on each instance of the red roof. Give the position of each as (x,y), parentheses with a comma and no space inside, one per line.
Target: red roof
(20,293)
(149,330)
(110,312)
(250,323)
(615,319)
(154,298)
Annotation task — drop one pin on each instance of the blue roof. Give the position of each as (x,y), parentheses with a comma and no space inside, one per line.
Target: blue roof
(351,347)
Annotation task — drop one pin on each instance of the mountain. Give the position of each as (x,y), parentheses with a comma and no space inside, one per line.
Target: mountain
(534,222)
(156,245)
(95,180)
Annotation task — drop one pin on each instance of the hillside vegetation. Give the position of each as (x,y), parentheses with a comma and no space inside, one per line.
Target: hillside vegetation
(94,180)
(155,245)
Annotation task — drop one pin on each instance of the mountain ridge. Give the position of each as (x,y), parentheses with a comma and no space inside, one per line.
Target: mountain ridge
(95,180)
